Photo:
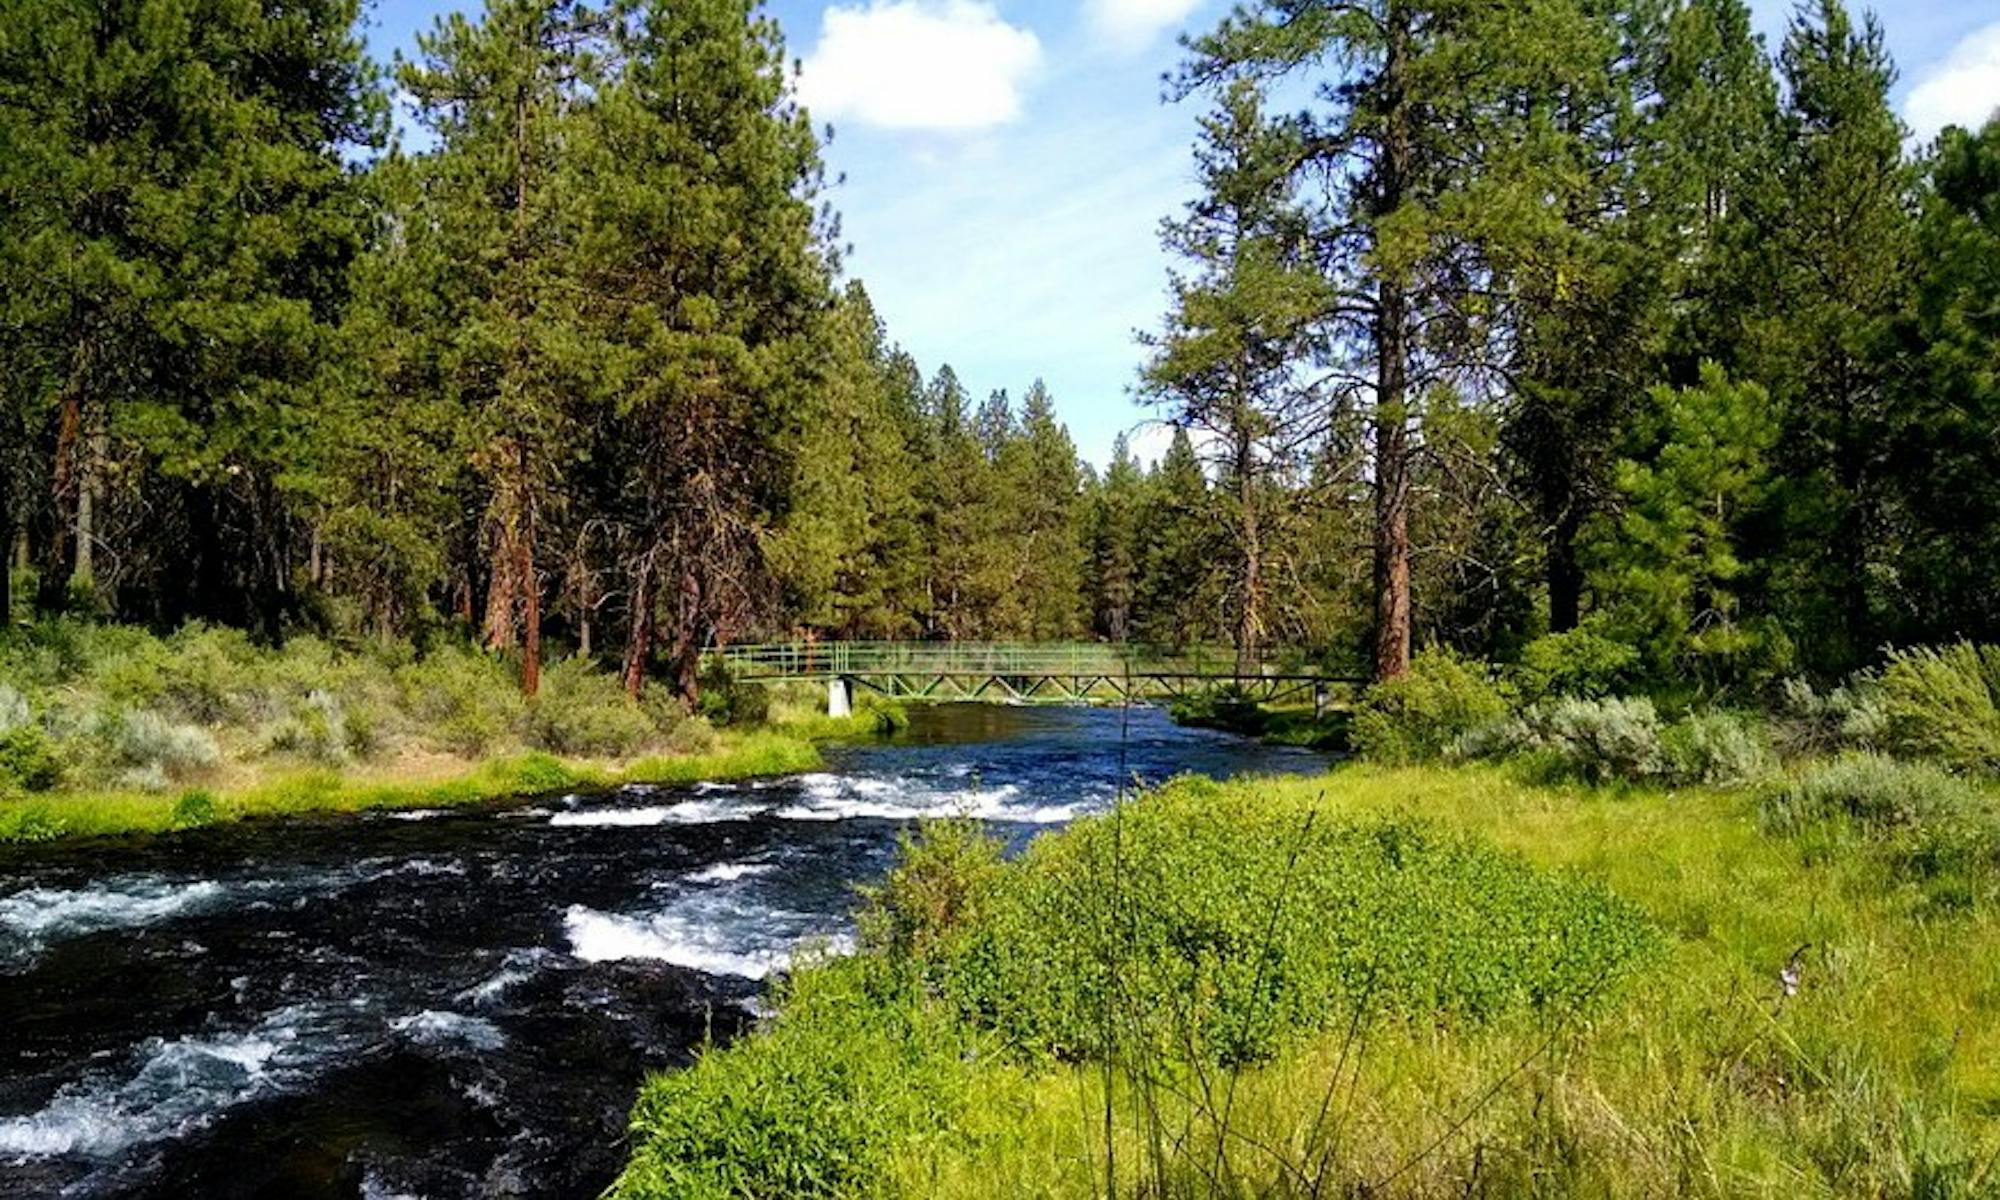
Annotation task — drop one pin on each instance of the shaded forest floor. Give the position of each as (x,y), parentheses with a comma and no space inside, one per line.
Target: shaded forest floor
(1810,1017)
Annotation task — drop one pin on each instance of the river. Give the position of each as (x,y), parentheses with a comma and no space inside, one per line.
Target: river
(461,1004)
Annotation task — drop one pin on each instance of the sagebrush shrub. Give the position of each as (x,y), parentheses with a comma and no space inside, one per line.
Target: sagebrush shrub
(1850,716)
(316,729)
(1420,715)
(1600,740)
(1716,748)
(584,711)
(1874,791)
(461,699)
(157,749)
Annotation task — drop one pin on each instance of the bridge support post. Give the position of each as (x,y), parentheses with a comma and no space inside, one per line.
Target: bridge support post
(1319,699)
(839,697)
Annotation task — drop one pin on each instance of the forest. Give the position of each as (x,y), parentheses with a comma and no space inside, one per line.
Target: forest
(1596,316)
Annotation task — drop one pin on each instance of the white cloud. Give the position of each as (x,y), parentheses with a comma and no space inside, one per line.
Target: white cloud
(1962,89)
(916,64)
(1131,24)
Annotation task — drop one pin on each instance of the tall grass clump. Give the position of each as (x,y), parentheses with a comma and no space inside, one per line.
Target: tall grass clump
(1420,715)
(1932,828)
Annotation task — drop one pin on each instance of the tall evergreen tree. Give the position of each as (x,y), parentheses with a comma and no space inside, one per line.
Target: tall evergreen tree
(1430,141)
(1833,227)
(1237,356)
(179,219)
(706,277)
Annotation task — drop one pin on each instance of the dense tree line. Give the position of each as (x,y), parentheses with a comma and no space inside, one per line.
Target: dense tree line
(1604,318)
(1574,314)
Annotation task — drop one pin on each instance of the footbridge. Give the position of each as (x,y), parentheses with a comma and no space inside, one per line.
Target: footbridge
(1027,672)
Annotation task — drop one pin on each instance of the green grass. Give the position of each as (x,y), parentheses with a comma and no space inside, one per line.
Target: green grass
(1878,1075)
(737,754)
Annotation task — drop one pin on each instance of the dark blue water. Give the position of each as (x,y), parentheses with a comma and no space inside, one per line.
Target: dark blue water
(461,1004)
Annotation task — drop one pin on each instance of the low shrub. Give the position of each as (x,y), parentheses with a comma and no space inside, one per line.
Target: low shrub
(855,1064)
(1218,929)
(584,711)
(156,749)
(1716,748)
(1943,703)
(28,761)
(316,730)
(1623,739)
(1579,662)
(1850,716)
(462,700)
(1875,792)
(724,700)
(193,809)
(1422,714)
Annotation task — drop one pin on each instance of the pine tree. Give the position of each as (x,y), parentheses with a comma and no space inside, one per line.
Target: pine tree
(1235,359)
(1833,229)
(1115,539)
(706,268)
(1431,146)
(500,96)
(179,220)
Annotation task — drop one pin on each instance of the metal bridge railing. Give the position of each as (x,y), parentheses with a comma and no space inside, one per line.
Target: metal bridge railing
(818,660)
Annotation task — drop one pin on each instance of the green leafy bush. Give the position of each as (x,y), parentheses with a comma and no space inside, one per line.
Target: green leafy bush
(1944,703)
(584,711)
(194,809)
(461,699)
(1210,924)
(724,700)
(28,761)
(1580,662)
(854,1064)
(1420,716)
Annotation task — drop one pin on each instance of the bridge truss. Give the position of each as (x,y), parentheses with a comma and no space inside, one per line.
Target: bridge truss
(1063,672)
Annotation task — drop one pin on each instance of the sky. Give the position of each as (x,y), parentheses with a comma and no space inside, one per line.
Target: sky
(1003,167)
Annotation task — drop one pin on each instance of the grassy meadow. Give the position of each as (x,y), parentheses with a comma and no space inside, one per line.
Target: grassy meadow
(1757,1002)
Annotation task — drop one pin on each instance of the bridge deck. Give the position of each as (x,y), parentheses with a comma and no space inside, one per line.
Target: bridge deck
(1025,671)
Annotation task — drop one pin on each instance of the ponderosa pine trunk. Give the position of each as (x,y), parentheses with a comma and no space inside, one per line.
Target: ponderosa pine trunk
(59,552)
(1392,431)
(1565,571)
(1250,616)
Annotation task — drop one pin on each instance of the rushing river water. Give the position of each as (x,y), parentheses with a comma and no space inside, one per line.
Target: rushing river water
(428,1004)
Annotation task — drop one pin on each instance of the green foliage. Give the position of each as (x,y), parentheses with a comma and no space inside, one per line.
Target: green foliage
(316,730)
(1216,928)
(465,700)
(1669,566)
(1582,663)
(193,809)
(28,761)
(1422,714)
(580,710)
(725,701)
(937,896)
(814,1104)
(1944,703)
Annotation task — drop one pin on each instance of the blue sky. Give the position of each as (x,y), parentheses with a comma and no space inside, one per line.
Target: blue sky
(1006,164)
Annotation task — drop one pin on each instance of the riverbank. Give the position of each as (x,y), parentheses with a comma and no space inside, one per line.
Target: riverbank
(108,729)
(1806,1011)
(435,782)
